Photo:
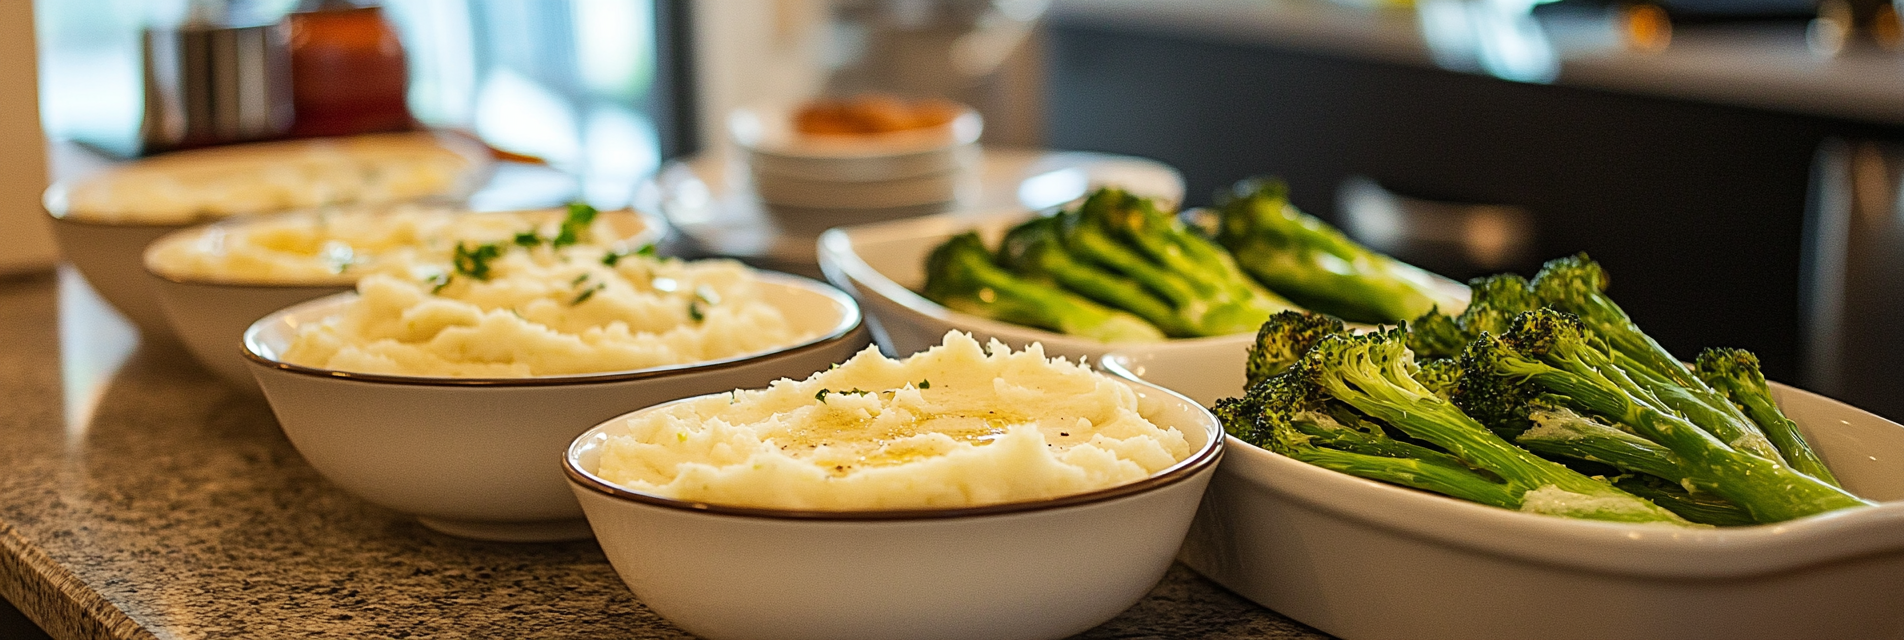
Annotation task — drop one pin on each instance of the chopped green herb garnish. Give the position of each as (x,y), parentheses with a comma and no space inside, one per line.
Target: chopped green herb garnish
(925,384)
(613,257)
(528,239)
(440,280)
(821,396)
(646,250)
(574,226)
(694,311)
(587,293)
(474,261)
(578,279)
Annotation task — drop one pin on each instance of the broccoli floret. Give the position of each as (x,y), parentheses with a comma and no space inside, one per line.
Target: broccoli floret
(1284,338)
(1577,285)
(1314,264)
(960,274)
(1554,350)
(1735,374)
(1436,335)
(1493,302)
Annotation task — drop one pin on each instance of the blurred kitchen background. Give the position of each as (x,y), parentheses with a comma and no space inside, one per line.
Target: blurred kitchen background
(1733,163)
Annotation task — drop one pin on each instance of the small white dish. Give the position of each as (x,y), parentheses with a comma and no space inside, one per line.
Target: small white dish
(768,129)
(478,457)
(1035,570)
(210,315)
(1362,559)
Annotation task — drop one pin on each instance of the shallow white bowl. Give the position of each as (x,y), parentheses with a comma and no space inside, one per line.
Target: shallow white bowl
(109,252)
(479,457)
(883,266)
(1035,570)
(210,315)
(1365,560)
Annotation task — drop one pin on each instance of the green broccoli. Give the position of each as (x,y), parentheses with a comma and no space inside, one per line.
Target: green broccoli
(960,274)
(1703,508)
(1735,374)
(1373,375)
(1577,285)
(1209,294)
(1555,352)
(1492,304)
(1284,338)
(1314,264)
(1033,250)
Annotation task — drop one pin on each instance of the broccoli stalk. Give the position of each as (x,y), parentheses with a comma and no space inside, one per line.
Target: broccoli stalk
(1552,350)
(1314,264)
(1208,299)
(1034,250)
(960,274)
(1577,285)
(1703,508)
(1295,413)
(1735,373)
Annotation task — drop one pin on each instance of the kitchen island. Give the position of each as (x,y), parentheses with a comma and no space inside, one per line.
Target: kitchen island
(140,498)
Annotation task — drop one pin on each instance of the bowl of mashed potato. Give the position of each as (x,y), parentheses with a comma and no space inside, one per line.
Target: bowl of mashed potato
(966,491)
(103,222)
(450,396)
(214,280)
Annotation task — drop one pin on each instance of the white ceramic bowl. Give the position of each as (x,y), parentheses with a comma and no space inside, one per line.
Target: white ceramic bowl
(210,315)
(1035,570)
(1367,560)
(883,266)
(479,457)
(109,250)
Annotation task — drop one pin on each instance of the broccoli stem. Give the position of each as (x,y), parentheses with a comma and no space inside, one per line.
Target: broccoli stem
(1697,405)
(1563,432)
(1314,264)
(1370,373)
(1735,374)
(960,274)
(1033,249)
(1767,488)
(1703,508)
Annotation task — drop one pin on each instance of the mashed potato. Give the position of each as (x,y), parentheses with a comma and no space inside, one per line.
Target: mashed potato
(340,246)
(277,176)
(542,311)
(953,426)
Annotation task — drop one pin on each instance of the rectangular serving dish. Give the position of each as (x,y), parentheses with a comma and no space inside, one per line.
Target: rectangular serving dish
(1367,560)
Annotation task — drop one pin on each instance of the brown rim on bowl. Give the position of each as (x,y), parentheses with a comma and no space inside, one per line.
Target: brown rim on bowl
(653,231)
(1205,457)
(850,324)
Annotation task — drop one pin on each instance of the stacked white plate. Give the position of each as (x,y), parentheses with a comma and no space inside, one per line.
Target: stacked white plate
(865,177)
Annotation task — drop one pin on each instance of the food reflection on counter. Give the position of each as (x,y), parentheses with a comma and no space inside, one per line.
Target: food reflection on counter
(1543,396)
(872,114)
(952,426)
(1121,268)
(546,302)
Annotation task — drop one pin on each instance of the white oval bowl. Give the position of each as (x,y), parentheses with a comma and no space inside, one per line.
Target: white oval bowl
(1034,570)
(480,457)
(209,316)
(883,265)
(1364,559)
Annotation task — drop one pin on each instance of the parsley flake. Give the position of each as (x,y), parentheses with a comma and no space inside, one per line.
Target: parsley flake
(474,261)
(574,226)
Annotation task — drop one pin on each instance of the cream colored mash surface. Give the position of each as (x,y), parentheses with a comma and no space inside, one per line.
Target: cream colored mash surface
(339,246)
(547,312)
(953,426)
(277,176)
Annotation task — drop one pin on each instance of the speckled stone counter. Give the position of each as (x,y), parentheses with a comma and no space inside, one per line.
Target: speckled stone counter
(141,499)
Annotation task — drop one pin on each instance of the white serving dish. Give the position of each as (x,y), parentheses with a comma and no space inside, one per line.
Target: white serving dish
(479,457)
(1367,560)
(910,191)
(210,316)
(1036,570)
(109,250)
(883,266)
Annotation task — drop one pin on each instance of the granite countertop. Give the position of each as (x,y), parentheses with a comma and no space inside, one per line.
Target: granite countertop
(141,499)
